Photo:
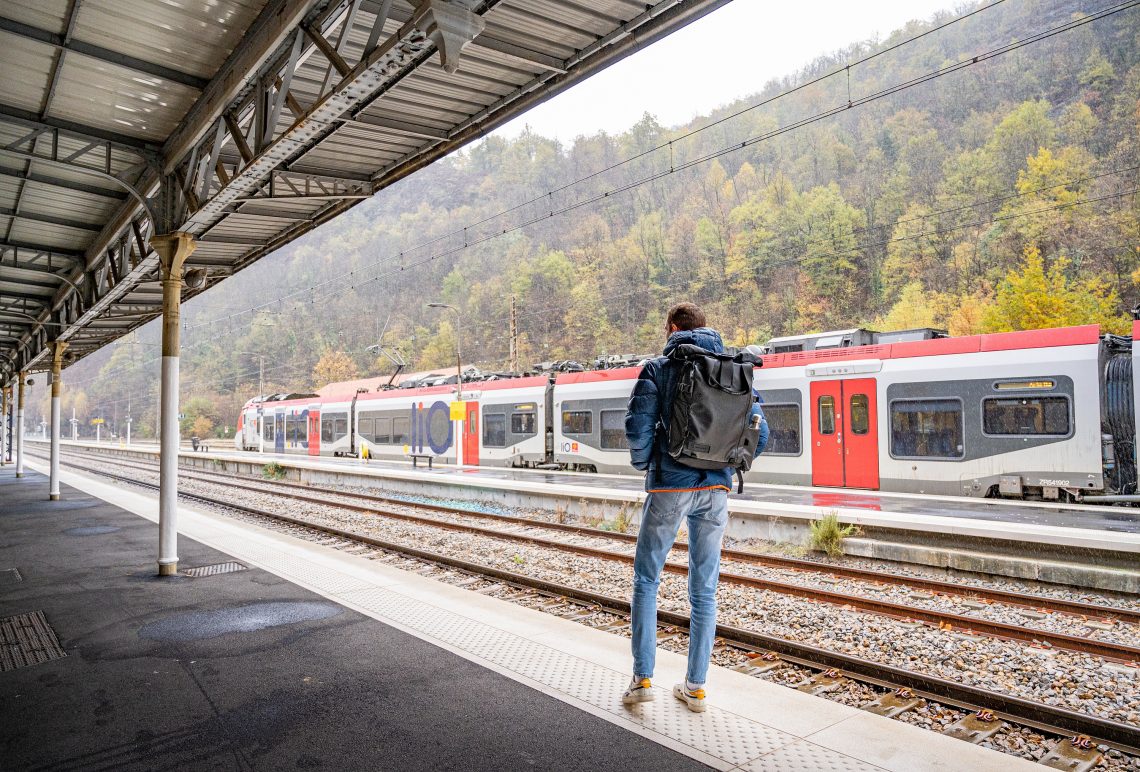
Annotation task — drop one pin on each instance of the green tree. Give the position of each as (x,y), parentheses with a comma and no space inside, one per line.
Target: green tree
(439,353)
(1024,131)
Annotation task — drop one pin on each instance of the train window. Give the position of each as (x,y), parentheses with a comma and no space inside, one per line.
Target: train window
(401,428)
(326,429)
(577,421)
(826,415)
(382,431)
(295,428)
(860,414)
(340,427)
(364,428)
(926,428)
(495,430)
(783,430)
(524,420)
(270,427)
(613,430)
(1026,416)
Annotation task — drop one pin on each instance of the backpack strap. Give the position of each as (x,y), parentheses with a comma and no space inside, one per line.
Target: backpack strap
(739,481)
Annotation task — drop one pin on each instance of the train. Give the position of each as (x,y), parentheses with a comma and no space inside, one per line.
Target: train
(1040,415)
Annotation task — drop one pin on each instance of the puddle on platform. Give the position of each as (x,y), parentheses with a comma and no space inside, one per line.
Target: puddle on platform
(36,507)
(91,530)
(197,625)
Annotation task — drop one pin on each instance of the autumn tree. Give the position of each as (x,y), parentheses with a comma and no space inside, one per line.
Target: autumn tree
(202,427)
(1036,297)
(333,367)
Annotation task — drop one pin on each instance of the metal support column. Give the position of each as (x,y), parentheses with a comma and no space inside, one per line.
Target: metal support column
(5,395)
(58,348)
(19,439)
(172,249)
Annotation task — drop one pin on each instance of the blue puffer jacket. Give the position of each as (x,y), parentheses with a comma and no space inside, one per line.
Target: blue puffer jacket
(650,407)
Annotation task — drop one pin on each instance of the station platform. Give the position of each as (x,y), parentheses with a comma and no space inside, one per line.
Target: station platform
(311,657)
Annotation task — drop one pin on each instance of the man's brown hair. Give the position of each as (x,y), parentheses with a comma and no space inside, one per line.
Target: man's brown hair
(686,316)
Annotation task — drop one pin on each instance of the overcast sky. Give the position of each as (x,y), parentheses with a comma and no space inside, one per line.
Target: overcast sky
(728,54)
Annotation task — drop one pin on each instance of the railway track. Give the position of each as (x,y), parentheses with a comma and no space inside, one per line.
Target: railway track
(968,624)
(834,665)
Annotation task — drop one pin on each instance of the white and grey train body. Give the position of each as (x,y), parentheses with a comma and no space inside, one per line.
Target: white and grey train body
(1042,414)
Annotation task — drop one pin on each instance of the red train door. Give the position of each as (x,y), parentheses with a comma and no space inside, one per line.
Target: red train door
(827,433)
(844,434)
(314,433)
(860,434)
(471,435)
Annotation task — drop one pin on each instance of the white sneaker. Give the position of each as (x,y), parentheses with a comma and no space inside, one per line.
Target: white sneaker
(639,690)
(694,699)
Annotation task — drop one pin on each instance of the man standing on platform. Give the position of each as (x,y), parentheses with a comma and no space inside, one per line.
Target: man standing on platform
(676,492)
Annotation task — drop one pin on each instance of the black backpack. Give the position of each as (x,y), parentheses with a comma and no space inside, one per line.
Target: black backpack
(709,427)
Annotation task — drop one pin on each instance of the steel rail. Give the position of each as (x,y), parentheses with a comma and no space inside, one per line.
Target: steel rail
(1105,649)
(1016,709)
(1008,597)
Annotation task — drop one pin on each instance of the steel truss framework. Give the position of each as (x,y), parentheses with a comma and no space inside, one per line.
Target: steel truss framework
(260,158)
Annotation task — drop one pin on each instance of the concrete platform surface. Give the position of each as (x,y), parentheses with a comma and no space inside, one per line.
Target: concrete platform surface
(751,724)
(245,670)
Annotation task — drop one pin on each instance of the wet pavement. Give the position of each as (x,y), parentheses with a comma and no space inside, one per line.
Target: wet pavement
(117,668)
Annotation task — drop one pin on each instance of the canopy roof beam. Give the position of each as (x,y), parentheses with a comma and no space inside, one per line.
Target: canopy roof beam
(432,27)
(31,120)
(47,179)
(65,222)
(67,43)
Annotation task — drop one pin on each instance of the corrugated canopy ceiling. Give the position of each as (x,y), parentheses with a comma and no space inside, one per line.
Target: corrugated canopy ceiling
(245,123)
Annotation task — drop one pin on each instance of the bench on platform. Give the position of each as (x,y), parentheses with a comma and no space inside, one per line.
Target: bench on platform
(417,456)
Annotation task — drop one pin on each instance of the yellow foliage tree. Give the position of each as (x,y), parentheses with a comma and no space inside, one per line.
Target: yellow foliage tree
(1035,298)
(202,426)
(1050,185)
(967,317)
(913,309)
(333,366)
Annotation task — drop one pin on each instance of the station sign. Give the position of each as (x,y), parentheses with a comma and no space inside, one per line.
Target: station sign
(458,411)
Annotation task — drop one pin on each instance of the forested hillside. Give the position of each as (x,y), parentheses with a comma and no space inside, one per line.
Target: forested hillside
(893,184)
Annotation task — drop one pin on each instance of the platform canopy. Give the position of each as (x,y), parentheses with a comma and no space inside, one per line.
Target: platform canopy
(245,123)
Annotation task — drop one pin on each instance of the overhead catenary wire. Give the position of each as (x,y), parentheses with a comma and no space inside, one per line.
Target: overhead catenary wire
(312,293)
(487,324)
(853,250)
(344,276)
(843,253)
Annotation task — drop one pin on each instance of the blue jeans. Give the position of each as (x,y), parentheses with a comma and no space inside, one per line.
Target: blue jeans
(706,512)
